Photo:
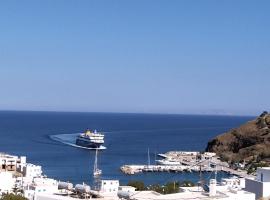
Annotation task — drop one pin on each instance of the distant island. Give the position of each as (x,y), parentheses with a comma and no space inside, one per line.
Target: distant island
(249,143)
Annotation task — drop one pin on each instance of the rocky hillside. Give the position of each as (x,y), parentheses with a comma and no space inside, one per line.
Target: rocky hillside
(249,142)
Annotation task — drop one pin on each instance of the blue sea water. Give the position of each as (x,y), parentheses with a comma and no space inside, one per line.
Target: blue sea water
(127,138)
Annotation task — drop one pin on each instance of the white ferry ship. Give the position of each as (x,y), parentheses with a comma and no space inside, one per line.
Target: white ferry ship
(90,139)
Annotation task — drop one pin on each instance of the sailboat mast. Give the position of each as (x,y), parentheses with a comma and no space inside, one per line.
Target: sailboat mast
(95,164)
(148,158)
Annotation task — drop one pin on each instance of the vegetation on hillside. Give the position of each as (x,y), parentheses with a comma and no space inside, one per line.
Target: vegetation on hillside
(247,144)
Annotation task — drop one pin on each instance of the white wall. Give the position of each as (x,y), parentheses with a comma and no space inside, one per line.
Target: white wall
(241,196)
(109,186)
(127,188)
(266,189)
(6,182)
(30,170)
(41,186)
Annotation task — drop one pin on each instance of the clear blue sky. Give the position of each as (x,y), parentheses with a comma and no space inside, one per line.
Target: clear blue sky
(135,56)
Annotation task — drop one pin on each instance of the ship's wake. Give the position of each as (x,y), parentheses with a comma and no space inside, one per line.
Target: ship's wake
(70,139)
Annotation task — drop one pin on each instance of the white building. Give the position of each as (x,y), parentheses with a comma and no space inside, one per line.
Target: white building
(222,192)
(109,187)
(40,186)
(10,162)
(261,184)
(7,182)
(21,164)
(30,170)
(126,188)
(207,155)
(234,182)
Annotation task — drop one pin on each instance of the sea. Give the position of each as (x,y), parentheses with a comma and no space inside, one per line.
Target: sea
(44,138)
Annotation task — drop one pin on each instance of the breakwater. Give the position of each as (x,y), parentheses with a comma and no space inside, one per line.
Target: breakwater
(181,161)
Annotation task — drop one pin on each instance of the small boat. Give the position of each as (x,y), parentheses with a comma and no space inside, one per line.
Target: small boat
(168,162)
(90,139)
(96,172)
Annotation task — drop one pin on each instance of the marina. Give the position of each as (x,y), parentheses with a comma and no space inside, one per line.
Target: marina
(134,169)
(184,161)
(28,178)
(54,147)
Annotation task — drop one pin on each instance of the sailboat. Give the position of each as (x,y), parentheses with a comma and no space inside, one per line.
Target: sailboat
(96,172)
(148,168)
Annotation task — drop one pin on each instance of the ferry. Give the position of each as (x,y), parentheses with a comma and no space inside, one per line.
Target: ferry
(90,139)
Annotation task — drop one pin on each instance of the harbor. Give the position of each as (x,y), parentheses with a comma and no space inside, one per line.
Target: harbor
(207,176)
(19,177)
(134,169)
(185,161)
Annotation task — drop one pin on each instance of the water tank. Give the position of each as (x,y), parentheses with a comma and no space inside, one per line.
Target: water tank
(82,188)
(123,194)
(65,186)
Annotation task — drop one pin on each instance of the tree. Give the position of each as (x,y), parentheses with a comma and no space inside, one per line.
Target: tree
(171,187)
(156,188)
(12,197)
(139,185)
(168,188)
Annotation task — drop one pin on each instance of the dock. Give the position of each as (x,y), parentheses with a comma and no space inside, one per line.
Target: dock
(179,161)
(134,169)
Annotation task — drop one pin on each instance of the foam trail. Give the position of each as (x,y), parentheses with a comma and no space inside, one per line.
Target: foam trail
(70,139)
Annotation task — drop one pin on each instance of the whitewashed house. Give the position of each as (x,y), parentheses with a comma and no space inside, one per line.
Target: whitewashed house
(261,184)
(7,182)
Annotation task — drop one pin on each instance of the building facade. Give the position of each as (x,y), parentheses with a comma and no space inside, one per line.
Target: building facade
(261,184)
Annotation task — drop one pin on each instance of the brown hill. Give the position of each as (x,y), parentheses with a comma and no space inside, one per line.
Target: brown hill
(250,141)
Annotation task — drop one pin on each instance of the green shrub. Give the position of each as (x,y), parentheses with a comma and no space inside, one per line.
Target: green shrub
(139,185)
(156,188)
(168,188)
(13,197)
(253,167)
(187,184)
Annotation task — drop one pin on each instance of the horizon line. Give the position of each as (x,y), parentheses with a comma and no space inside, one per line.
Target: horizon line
(146,113)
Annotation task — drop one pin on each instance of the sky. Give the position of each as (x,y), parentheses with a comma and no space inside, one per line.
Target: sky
(141,56)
